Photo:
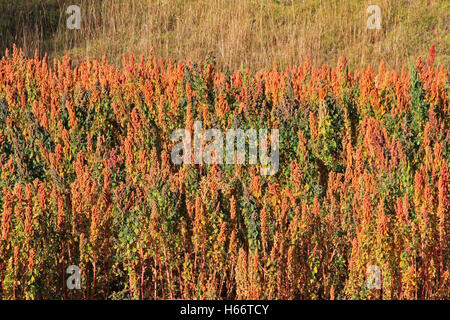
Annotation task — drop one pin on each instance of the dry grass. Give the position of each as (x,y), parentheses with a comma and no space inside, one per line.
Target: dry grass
(254,33)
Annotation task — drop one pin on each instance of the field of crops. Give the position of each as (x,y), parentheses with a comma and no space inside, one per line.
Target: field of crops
(86,179)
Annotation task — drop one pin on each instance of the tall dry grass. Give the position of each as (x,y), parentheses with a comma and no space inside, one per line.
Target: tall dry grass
(256,33)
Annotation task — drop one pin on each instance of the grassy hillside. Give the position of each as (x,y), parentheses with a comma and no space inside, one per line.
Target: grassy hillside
(249,33)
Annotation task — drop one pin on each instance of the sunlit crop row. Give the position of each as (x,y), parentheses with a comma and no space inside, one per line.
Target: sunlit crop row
(86,179)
